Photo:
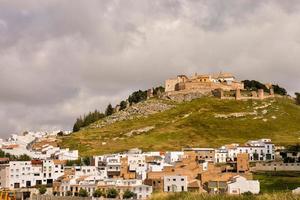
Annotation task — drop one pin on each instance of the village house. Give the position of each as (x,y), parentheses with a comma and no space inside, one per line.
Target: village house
(296,191)
(175,184)
(173,156)
(258,150)
(22,174)
(202,154)
(240,185)
(192,169)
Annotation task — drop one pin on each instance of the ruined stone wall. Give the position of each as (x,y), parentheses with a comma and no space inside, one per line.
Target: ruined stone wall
(206,86)
(260,95)
(184,95)
(170,85)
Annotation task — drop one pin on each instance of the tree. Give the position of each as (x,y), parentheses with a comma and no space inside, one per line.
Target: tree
(83,193)
(78,124)
(42,189)
(137,96)
(128,194)
(60,133)
(253,85)
(74,162)
(24,157)
(279,90)
(109,110)
(158,90)
(112,193)
(86,161)
(97,193)
(297,98)
(123,105)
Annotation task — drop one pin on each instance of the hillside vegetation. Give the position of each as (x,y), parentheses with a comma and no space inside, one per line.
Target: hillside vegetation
(197,196)
(204,122)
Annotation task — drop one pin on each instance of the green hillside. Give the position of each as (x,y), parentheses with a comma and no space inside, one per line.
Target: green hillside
(205,122)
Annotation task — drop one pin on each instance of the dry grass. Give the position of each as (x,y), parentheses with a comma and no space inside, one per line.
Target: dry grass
(197,196)
(200,128)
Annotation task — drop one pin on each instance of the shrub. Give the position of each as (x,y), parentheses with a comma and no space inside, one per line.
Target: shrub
(42,189)
(297,98)
(97,193)
(69,193)
(83,193)
(128,194)
(112,193)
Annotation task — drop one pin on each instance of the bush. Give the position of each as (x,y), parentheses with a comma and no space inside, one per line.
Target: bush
(123,105)
(69,193)
(128,194)
(247,193)
(279,90)
(297,98)
(137,96)
(112,193)
(42,189)
(109,110)
(91,117)
(86,161)
(83,193)
(254,85)
(97,193)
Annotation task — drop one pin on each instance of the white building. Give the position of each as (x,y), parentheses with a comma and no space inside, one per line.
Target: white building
(86,171)
(137,163)
(258,150)
(175,183)
(21,174)
(173,156)
(240,185)
(221,155)
(142,191)
(296,191)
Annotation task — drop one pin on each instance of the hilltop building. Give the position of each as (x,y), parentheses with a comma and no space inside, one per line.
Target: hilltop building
(203,83)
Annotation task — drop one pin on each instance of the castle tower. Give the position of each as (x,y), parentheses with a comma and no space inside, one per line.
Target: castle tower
(254,94)
(149,93)
(238,94)
(271,92)
(261,94)
(242,164)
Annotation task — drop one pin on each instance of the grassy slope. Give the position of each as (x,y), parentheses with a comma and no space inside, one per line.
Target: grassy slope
(195,196)
(173,130)
(278,181)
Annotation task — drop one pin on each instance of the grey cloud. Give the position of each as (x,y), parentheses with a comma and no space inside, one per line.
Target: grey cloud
(62,58)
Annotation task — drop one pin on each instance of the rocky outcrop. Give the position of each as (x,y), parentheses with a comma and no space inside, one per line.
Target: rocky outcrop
(142,109)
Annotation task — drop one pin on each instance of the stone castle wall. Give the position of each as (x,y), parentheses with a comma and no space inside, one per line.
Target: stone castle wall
(259,95)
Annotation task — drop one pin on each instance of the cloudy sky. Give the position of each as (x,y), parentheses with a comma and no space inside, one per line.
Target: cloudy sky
(62,58)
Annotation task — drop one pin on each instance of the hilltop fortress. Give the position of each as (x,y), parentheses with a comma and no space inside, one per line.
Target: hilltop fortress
(221,85)
(203,83)
(183,88)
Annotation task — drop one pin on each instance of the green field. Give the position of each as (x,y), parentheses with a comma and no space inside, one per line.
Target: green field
(196,196)
(194,124)
(277,181)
